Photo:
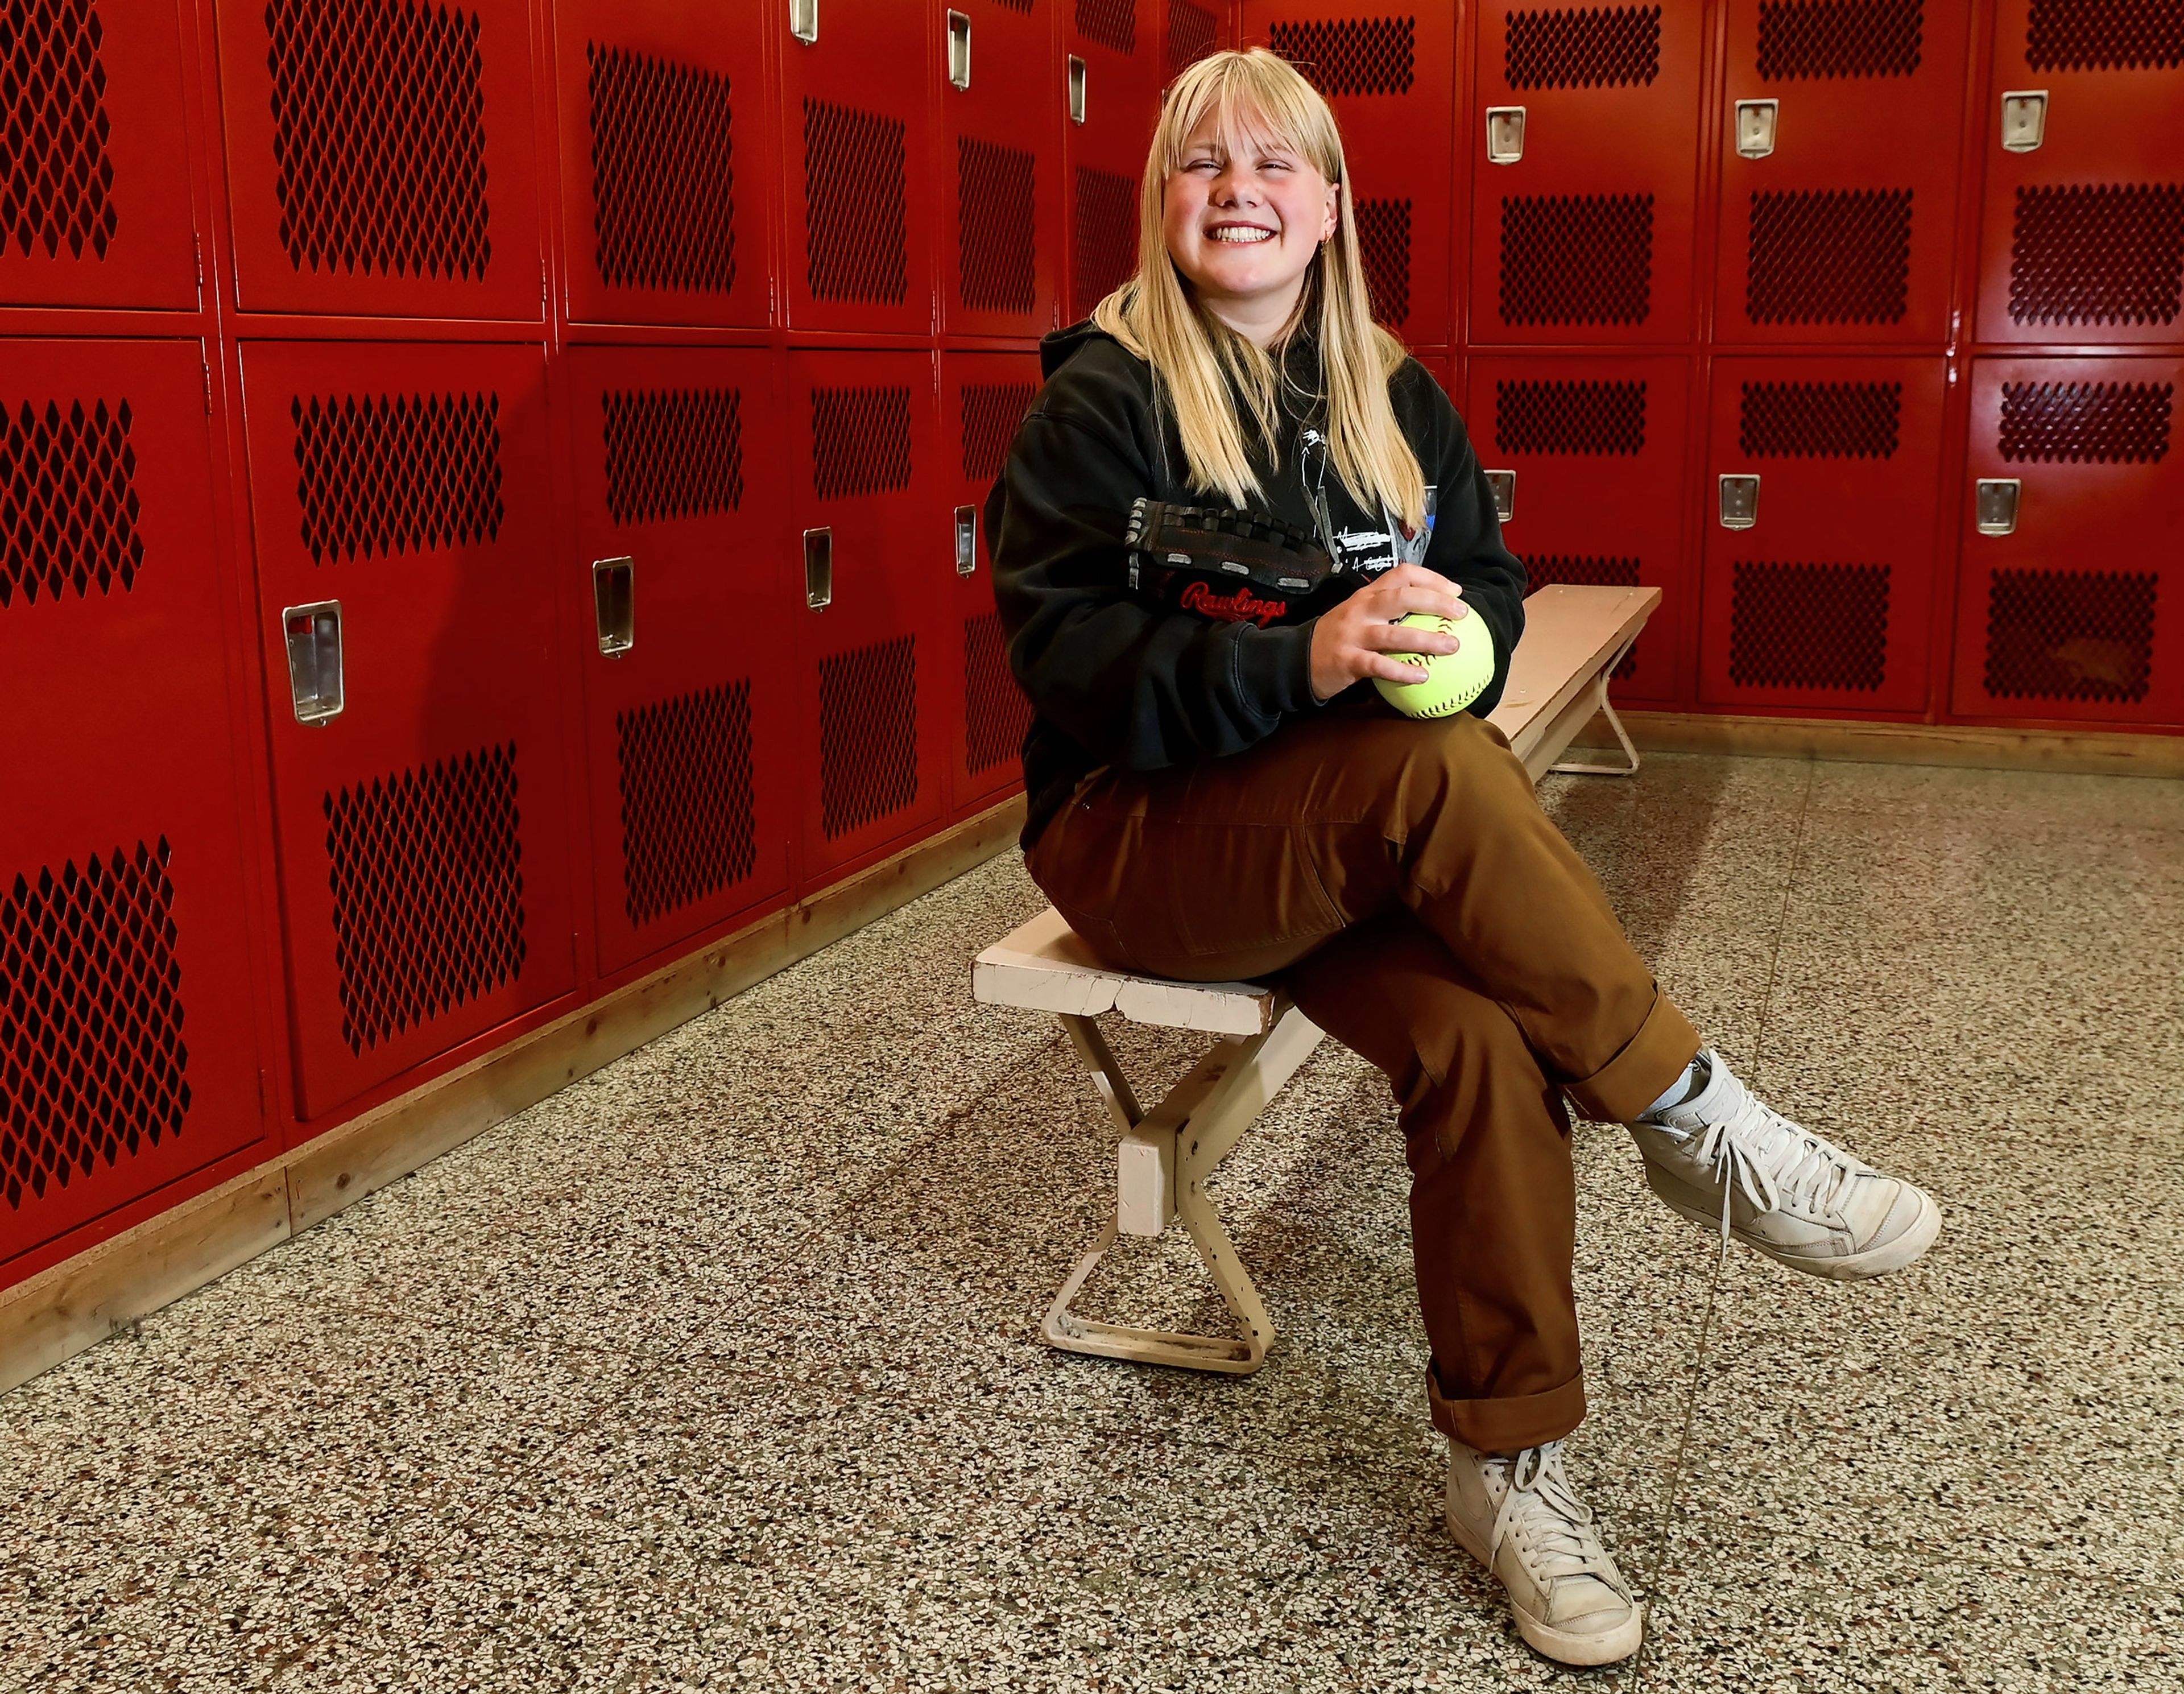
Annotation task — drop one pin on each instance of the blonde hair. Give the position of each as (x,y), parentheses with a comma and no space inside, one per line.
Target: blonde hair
(1195,356)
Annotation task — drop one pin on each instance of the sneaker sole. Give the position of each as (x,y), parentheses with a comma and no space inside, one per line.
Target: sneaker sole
(1906,1249)
(1559,1645)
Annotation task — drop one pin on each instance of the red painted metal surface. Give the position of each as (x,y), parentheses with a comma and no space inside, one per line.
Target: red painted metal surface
(1104,157)
(997,174)
(128,1051)
(423,832)
(2073,615)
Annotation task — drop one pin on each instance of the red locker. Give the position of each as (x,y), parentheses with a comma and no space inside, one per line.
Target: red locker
(1391,80)
(983,397)
(2069,581)
(1593,450)
(1818,586)
(2082,236)
(999,170)
(1840,131)
(95,192)
(381,158)
(1111,82)
(682,538)
(667,138)
(879,652)
(1191,30)
(856,164)
(1584,143)
(423,827)
(128,1051)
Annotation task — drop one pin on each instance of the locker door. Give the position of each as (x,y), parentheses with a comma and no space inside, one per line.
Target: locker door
(856,163)
(95,192)
(1191,30)
(1845,230)
(1594,446)
(1391,81)
(679,466)
(381,157)
(983,397)
(1000,273)
(423,830)
(666,134)
(1104,156)
(2083,235)
(1823,600)
(1581,230)
(878,661)
(2071,612)
(128,1049)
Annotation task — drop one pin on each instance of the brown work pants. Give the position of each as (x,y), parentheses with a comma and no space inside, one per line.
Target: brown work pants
(1400,882)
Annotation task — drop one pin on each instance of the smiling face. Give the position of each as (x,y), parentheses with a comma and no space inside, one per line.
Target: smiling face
(1244,213)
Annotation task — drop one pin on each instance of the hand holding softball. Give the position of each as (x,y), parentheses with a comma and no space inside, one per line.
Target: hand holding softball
(1359,638)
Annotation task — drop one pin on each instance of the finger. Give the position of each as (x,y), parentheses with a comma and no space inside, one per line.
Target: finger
(1399,601)
(1396,638)
(1395,670)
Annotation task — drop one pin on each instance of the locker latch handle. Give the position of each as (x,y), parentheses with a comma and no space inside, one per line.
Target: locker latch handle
(1740,502)
(967,540)
(1076,89)
(959,49)
(613,601)
(1504,485)
(804,20)
(2024,119)
(313,633)
(1997,504)
(1505,134)
(818,569)
(1755,127)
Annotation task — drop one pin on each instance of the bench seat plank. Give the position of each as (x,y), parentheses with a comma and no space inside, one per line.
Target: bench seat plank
(1571,631)
(1044,965)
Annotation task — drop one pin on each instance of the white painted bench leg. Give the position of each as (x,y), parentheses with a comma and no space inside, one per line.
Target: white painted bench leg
(1574,768)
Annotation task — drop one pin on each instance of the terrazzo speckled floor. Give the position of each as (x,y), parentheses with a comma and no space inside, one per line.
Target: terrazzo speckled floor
(717,1370)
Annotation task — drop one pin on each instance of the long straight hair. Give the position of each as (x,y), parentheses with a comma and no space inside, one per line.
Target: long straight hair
(1200,364)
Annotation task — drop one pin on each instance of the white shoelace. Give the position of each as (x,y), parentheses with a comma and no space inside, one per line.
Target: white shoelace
(1771,1158)
(1539,1494)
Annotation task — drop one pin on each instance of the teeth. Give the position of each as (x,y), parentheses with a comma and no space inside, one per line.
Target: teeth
(1242,236)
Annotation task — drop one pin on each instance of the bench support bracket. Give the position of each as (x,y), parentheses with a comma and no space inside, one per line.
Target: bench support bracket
(1579,768)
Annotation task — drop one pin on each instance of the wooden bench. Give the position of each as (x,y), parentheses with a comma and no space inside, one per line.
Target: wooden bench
(1574,637)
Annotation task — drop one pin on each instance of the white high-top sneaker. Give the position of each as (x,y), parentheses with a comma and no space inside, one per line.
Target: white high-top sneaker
(1518,1515)
(1725,1158)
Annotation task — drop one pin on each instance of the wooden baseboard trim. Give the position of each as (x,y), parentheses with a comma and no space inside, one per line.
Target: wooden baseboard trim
(71,1306)
(2088,752)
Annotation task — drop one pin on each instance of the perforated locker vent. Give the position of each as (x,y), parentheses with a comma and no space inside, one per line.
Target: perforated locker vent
(854,205)
(860,441)
(996,714)
(426,871)
(991,413)
(2082,636)
(1809,626)
(1351,56)
(2097,254)
(2093,423)
(379,136)
(1590,47)
(56,179)
(1828,38)
(663,173)
(398,473)
(997,262)
(2104,34)
(1589,417)
(1105,239)
(1819,420)
(867,734)
(689,824)
(1587,571)
(1384,243)
(672,453)
(1193,32)
(67,502)
(1828,256)
(1111,23)
(92,1066)
(1577,259)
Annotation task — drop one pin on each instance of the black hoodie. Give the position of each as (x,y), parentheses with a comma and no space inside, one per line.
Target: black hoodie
(1116,679)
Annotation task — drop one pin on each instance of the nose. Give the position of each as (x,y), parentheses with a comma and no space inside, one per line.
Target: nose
(1230,188)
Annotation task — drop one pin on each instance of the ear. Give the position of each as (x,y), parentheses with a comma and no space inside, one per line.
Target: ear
(1328,222)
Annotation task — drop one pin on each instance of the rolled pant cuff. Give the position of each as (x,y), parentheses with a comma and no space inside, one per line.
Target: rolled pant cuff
(1665,1044)
(1507,1426)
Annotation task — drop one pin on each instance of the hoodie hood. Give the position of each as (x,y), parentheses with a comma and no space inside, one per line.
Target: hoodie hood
(1056,350)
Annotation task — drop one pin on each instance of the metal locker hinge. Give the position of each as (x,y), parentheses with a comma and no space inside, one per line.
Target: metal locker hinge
(2024,119)
(1076,89)
(313,633)
(1740,502)
(818,569)
(1505,134)
(967,540)
(613,600)
(959,49)
(1755,127)
(1504,485)
(1996,505)
(804,20)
